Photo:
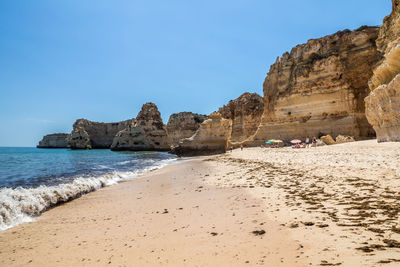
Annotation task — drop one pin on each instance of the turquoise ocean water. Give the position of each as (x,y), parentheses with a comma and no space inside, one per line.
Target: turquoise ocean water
(33,180)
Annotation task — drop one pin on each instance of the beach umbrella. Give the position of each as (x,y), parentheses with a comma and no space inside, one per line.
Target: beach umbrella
(268,142)
(278,141)
(295,141)
(272,140)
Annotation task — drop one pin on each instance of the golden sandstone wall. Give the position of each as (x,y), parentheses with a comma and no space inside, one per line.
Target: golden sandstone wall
(319,88)
(245,113)
(383,103)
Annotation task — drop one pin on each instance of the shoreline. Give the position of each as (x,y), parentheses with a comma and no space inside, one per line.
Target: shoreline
(23,205)
(326,206)
(168,216)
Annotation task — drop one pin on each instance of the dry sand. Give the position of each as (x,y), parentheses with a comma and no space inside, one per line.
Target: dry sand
(325,206)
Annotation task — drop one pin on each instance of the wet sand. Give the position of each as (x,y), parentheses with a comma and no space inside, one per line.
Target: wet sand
(327,206)
(168,217)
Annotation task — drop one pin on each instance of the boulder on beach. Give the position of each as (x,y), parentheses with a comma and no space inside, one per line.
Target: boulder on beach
(328,140)
(344,139)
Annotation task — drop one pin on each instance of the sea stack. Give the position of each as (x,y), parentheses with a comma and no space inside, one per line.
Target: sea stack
(245,113)
(57,140)
(383,103)
(88,134)
(183,125)
(146,133)
(319,88)
(211,138)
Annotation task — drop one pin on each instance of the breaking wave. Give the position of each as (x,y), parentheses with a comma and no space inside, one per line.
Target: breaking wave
(20,205)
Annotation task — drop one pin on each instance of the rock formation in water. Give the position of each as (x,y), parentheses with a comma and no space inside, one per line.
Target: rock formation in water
(383,103)
(245,113)
(88,134)
(183,125)
(211,138)
(147,132)
(319,88)
(57,140)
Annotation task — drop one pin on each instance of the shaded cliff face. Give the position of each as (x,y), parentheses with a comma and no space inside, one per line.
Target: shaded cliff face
(319,88)
(211,138)
(57,140)
(383,103)
(245,113)
(88,134)
(147,132)
(183,125)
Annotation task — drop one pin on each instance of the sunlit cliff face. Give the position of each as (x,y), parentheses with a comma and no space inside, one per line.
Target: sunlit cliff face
(389,68)
(383,103)
(382,106)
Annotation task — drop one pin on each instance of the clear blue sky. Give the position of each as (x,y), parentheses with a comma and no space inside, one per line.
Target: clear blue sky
(101,60)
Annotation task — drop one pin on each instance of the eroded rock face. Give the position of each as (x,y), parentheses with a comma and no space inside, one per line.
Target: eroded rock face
(319,88)
(383,103)
(57,140)
(88,134)
(147,132)
(245,113)
(211,138)
(183,125)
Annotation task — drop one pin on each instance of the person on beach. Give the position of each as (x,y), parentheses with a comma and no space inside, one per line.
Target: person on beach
(314,142)
(241,147)
(307,142)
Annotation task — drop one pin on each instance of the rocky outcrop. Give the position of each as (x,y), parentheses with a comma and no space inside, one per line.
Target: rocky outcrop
(183,125)
(245,113)
(383,103)
(344,139)
(211,138)
(147,132)
(319,88)
(88,134)
(57,140)
(327,140)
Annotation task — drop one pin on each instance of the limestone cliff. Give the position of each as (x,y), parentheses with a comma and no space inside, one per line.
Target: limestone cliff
(147,132)
(57,140)
(211,138)
(183,125)
(383,103)
(88,134)
(319,88)
(245,113)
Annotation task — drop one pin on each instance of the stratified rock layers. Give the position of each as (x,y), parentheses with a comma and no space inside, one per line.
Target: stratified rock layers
(245,113)
(88,134)
(57,140)
(319,88)
(183,125)
(211,138)
(147,132)
(383,103)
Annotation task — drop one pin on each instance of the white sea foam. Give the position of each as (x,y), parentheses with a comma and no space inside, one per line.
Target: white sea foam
(21,205)
(124,162)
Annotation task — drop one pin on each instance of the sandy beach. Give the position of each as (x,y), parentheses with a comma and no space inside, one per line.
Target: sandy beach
(326,206)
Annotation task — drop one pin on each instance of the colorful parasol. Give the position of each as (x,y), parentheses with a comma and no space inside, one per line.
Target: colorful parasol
(295,141)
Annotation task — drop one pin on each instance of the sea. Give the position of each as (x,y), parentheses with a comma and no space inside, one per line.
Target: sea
(33,180)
